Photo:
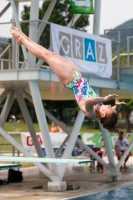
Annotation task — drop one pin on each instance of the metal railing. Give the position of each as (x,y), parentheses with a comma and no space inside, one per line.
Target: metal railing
(7,148)
(6,63)
(128,38)
(118,55)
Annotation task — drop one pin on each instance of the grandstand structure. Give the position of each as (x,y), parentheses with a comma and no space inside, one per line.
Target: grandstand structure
(32,80)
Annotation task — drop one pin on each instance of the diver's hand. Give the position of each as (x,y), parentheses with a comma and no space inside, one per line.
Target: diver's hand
(110,97)
(117,102)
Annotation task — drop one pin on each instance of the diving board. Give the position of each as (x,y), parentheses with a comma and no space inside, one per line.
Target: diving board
(9,166)
(44,160)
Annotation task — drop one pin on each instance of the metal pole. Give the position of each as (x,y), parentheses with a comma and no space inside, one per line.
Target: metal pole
(18,25)
(4,95)
(61,147)
(7,107)
(28,121)
(72,140)
(97,13)
(118,62)
(13,152)
(33,28)
(10,59)
(128,50)
(65,129)
(5,9)
(15,46)
(22,149)
(96,27)
(108,146)
(46,17)
(106,140)
(43,124)
(35,90)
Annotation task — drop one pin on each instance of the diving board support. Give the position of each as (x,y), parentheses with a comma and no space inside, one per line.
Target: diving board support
(28,121)
(7,107)
(40,166)
(61,147)
(112,165)
(35,93)
(96,28)
(15,13)
(96,19)
(105,134)
(33,30)
(42,123)
(52,118)
(4,95)
(15,49)
(72,140)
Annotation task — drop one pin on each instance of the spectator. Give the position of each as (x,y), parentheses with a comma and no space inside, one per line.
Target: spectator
(103,146)
(121,145)
(78,149)
(54,128)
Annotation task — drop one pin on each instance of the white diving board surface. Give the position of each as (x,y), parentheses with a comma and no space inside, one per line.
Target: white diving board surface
(44,160)
(9,166)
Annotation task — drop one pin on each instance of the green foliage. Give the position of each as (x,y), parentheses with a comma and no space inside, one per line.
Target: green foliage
(9,127)
(128,106)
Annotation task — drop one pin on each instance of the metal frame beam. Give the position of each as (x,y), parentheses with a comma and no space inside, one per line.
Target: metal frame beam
(28,121)
(7,107)
(26,153)
(52,118)
(46,17)
(5,9)
(15,13)
(4,95)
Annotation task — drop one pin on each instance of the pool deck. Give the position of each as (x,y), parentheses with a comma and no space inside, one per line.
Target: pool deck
(86,180)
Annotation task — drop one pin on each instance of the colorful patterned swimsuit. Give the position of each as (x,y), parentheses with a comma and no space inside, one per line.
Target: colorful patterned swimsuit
(81,89)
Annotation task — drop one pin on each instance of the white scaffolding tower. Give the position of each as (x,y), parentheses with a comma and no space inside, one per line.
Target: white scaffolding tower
(15,82)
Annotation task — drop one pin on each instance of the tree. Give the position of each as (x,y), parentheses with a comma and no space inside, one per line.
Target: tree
(126,109)
(61,14)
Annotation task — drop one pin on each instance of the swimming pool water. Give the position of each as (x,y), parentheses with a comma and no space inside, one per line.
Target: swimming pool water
(124,193)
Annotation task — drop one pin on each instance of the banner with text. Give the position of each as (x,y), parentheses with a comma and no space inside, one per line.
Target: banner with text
(90,53)
(56,140)
(93,139)
(82,6)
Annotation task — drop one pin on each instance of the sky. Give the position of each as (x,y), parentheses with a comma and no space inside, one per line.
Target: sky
(113,13)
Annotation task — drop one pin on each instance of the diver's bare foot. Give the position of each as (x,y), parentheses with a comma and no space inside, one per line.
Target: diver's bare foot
(17,34)
(21,33)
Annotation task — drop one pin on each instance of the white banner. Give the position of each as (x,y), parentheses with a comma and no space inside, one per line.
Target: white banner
(90,53)
(56,140)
